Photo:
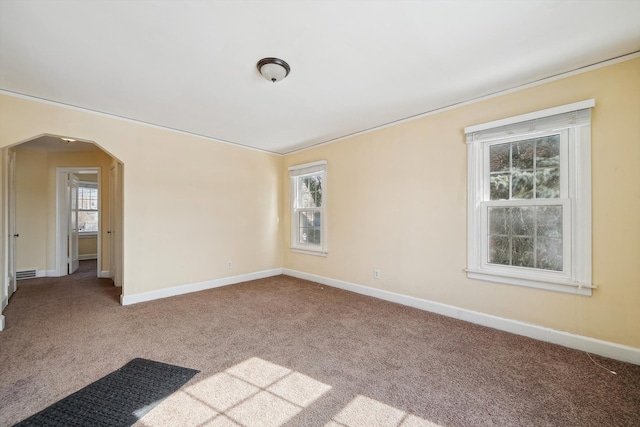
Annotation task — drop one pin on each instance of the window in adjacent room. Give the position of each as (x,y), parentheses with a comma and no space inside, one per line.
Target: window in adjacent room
(308,208)
(88,208)
(530,199)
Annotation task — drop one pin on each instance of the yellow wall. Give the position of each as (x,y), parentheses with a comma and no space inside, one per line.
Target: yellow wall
(88,246)
(397,202)
(190,204)
(31,210)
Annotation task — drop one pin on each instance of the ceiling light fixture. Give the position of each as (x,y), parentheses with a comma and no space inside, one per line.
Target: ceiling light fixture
(67,140)
(273,69)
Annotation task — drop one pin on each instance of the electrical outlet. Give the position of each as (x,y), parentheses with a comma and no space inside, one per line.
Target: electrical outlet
(376,273)
(229,264)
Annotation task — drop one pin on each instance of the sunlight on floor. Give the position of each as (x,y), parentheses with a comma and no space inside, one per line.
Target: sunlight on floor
(262,394)
(364,411)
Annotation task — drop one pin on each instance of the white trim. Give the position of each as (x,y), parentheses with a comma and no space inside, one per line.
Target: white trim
(5,301)
(1,322)
(309,166)
(566,339)
(104,274)
(46,273)
(87,256)
(196,287)
(588,103)
(301,250)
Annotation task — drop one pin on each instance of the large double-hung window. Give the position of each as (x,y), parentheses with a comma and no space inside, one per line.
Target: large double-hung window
(308,208)
(529,219)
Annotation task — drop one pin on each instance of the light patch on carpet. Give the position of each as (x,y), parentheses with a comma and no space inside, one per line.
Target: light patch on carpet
(259,393)
(299,389)
(179,409)
(222,391)
(264,410)
(252,393)
(258,372)
(367,412)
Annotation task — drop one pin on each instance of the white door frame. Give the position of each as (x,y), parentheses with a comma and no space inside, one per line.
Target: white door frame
(12,285)
(116,223)
(62,216)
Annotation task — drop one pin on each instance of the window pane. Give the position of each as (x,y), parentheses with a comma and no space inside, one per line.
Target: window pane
(529,168)
(522,251)
(548,152)
(310,191)
(87,221)
(499,250)
(522,154)
(547,183)
(304,235)
(310,230)
(522,221)
(527,236)
(499,221)
(549,221)
(500,186)
(87,198)
(499,158)
(522,185)
(549,253)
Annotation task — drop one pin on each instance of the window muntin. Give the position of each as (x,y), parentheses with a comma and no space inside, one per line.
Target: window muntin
(308,217)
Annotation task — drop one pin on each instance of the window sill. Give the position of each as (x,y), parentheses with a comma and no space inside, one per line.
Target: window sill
(315,252)
(92,235)
(564,287)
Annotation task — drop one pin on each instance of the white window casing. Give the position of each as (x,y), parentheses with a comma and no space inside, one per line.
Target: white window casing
(299,241)
(572,124)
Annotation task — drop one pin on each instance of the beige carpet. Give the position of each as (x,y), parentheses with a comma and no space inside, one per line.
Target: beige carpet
(286,352)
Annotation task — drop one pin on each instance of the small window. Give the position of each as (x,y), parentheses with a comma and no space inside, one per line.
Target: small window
(530,200)
(88,208)
(308,208)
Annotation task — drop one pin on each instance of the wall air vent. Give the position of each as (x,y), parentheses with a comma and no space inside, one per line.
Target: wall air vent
(25,274)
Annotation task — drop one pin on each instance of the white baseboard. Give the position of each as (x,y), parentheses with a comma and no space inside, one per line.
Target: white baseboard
(87,256)
(1,322)
(104,274)
(578,342)
(196,287)
(47,273)
(5,301)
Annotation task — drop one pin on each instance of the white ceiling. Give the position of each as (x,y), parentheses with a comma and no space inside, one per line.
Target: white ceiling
(190,65)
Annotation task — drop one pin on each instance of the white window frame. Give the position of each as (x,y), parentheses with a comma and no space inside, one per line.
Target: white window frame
(90,234)
(295,173)
(573,123)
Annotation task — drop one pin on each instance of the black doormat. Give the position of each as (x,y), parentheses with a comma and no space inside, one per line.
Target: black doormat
(119,399)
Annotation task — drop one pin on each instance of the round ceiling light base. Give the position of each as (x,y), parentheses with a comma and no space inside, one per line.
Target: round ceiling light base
(273,69)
